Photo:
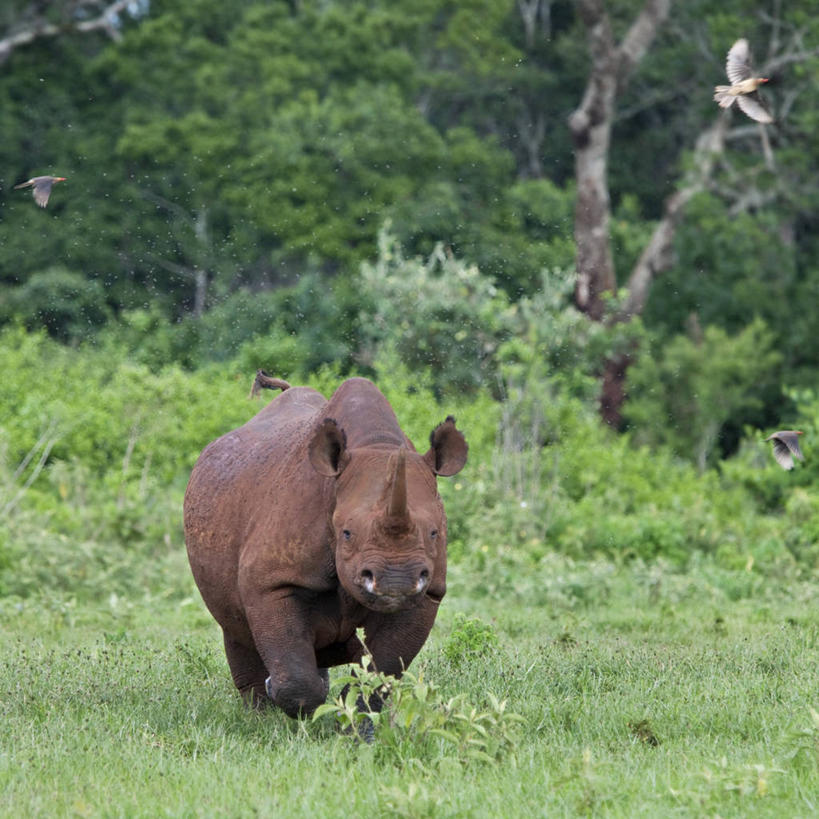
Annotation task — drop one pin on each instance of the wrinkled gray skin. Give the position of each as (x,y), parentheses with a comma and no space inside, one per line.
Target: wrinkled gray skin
(314,518)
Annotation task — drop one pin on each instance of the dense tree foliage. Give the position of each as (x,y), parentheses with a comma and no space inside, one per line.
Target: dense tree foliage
(231,166)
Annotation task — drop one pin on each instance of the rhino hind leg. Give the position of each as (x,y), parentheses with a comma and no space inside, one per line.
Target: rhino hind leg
(248,673)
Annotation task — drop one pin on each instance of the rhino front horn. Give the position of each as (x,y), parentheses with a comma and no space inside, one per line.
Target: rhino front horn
(397,508)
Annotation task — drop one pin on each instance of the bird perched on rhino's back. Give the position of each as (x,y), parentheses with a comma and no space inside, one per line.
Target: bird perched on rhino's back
(744,84)
(41,187)
(786,447)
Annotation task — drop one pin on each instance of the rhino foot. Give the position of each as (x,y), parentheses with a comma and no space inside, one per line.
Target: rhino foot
(299,697)
(323,673)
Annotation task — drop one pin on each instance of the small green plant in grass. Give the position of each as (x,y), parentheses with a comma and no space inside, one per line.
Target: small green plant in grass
(470,638)
(414,801)
(805,741)
(351,708)
(417,720)
(584,783)
(737,781)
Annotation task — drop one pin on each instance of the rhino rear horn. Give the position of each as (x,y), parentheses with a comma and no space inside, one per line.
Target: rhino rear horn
(328,449)
(448,449)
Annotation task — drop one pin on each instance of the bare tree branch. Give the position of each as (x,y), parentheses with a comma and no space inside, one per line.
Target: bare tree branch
(37,26)
(202,249)
(172,267)
(47,441)
(590,125)
(532,132)
(641,35)
(776,25)
(656,255)
(530,10)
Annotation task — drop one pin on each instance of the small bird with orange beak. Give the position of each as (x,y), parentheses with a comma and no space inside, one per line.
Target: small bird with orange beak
(41,187)
(744,84)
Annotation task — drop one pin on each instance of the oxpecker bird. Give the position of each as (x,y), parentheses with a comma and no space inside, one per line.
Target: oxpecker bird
(41,187)
(786,447)
(744,84)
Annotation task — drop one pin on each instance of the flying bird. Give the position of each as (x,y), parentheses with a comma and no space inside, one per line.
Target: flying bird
(786,447)
(41,187)
(744,84)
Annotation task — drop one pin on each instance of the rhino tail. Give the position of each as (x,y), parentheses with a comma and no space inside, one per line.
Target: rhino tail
(263,381)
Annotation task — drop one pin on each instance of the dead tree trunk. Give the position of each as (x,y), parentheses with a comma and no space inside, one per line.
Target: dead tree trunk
(590,125)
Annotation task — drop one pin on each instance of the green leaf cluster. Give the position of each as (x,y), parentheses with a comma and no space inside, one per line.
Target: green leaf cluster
(417,722)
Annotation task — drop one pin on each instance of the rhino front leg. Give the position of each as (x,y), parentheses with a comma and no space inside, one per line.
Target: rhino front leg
(394,639)
(286,644)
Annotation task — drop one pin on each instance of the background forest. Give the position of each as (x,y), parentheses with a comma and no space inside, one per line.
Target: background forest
(325,188)
(527,213)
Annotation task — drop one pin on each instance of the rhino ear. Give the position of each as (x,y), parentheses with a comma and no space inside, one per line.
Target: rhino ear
(328,449)
(447,453)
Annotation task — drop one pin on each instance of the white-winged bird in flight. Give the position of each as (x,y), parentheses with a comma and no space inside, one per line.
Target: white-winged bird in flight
(744,84)
(41,187)
(786,447)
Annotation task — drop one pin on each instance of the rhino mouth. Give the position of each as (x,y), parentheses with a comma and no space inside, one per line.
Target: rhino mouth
(435,597)
(390,602)
(382,595)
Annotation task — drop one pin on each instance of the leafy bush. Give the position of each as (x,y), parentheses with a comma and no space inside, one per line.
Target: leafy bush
(97,541)
(94,465)
(417,721)
(470,639)
(67,304)
(684,396)
(440,314)
(296,328)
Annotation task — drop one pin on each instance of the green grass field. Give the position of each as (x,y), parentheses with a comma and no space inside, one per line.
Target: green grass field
(642,692)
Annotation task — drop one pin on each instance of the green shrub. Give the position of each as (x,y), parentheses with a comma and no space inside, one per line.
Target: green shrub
(439,314)
(94,464)
(297,328)
(685,394)
(418,722)
(470,639)
(66,303)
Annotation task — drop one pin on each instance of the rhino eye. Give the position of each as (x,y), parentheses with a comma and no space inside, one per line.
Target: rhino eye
(346,533)
(433,534)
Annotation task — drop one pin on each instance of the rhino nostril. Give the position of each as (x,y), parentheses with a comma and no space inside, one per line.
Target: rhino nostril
(423,580)
(367,580)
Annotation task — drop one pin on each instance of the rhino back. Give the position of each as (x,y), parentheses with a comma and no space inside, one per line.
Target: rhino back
(366,416)
(243,480)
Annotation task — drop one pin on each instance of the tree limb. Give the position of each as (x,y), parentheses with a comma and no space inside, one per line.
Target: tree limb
(39,27)
(640,35)
(47,440)
(655,257)
(590,125)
